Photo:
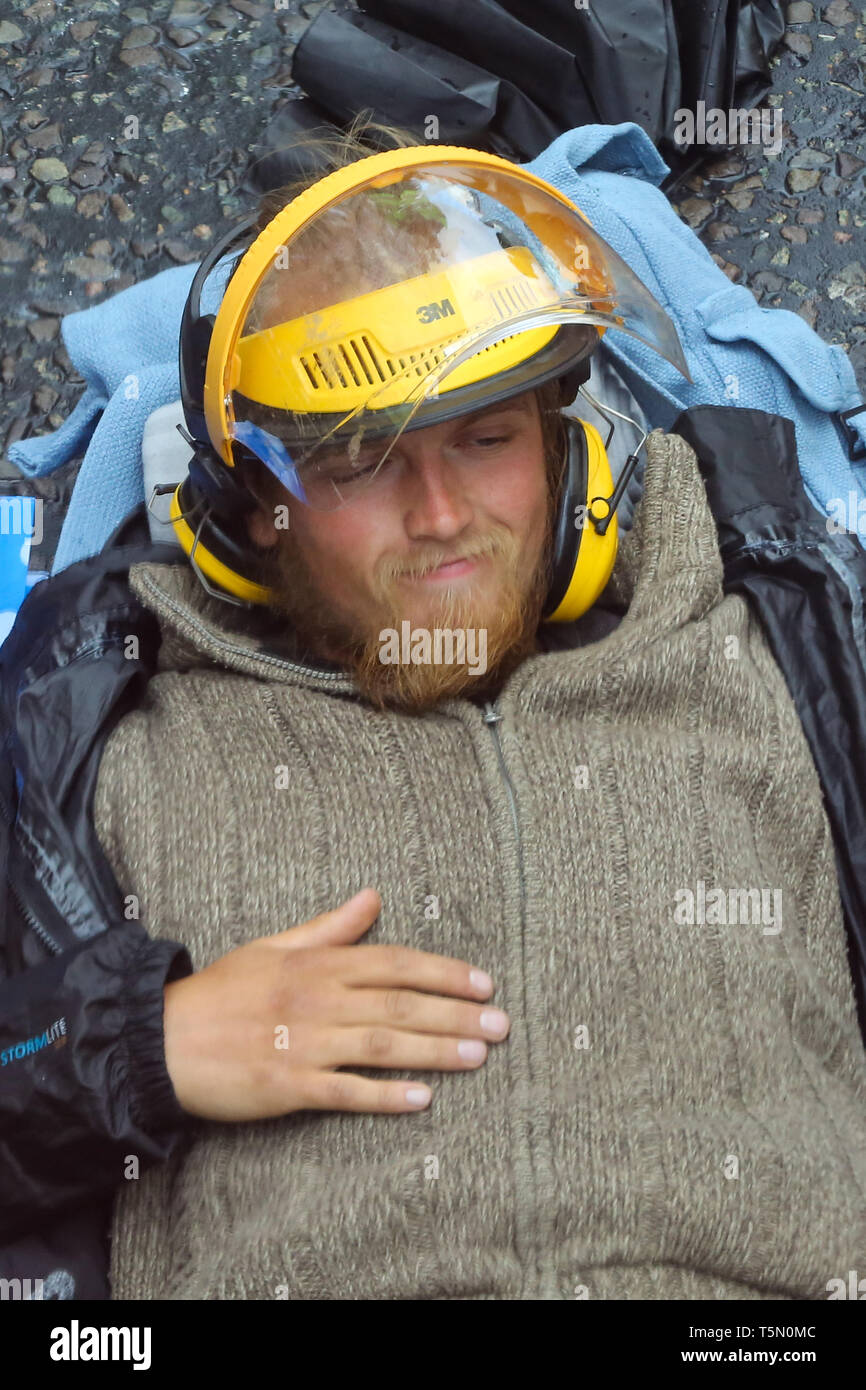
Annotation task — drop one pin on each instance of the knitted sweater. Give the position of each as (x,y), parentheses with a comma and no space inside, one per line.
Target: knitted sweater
(679,1111)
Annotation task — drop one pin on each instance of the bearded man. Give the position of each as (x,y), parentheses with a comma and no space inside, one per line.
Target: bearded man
(361,855)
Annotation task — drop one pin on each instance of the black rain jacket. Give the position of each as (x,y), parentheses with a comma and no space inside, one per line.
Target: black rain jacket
(83,1081)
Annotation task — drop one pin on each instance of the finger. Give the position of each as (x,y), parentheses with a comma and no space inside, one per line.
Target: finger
(339,926)
(421,1013)
(379,1046)
(341,1090)
(404,967)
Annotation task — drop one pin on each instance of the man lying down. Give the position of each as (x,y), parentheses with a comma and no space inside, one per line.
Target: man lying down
(494,837)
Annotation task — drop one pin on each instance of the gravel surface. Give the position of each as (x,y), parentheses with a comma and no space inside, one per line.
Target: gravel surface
(127,131)
(791,225)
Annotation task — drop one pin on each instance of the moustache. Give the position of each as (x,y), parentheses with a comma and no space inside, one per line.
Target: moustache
(489,547)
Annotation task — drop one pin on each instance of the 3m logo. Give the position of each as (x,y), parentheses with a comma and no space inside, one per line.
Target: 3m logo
(428,312)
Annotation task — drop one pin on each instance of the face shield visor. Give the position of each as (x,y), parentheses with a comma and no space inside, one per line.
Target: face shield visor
(420,296)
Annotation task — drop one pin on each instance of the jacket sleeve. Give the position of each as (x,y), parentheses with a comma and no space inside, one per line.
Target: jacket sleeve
(84,1086)
(85,1096)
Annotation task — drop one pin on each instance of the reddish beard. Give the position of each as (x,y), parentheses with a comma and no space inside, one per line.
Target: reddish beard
(510,618)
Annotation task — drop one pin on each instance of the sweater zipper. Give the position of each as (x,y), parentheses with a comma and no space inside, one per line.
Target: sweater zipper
(491,719)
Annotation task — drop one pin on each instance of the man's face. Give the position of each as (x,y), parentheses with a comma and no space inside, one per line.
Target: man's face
(455,535)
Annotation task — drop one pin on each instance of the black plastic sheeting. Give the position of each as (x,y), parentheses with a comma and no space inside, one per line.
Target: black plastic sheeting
(510,76)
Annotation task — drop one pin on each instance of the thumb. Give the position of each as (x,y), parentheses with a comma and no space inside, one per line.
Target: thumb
(337,927)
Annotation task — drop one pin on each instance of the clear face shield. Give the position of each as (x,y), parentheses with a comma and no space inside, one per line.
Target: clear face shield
(419,297)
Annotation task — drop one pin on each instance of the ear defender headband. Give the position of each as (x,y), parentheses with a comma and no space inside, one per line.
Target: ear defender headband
(209,507)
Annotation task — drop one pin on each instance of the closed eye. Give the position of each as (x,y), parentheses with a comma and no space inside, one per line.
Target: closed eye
(492,439)
(343,478)
(354,475)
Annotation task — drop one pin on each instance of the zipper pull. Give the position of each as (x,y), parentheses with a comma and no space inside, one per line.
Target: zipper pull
(490,715)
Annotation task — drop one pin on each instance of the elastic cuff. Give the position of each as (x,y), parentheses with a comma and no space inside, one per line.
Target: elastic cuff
(152,1100)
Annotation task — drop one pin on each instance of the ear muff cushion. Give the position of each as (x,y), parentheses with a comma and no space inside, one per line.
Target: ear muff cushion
(582,559)
(222,556)
(566,536)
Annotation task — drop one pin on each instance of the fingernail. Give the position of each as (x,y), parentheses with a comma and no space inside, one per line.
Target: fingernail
(418,1095)
(495,1022)
(481,981)
(472,1050)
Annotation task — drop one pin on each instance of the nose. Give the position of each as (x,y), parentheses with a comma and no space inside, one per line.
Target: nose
(436,502)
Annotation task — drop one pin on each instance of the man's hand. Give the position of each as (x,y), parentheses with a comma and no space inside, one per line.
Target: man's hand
(334,1004)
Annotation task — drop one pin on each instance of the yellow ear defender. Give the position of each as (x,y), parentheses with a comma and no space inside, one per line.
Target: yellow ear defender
(353,359)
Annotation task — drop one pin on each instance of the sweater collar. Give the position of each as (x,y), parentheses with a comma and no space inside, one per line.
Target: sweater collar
(668,569)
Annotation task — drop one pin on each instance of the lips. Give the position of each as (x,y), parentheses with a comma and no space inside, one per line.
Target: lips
(453,568)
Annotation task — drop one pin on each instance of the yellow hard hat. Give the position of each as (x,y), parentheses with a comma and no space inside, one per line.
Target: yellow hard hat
(401,291)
